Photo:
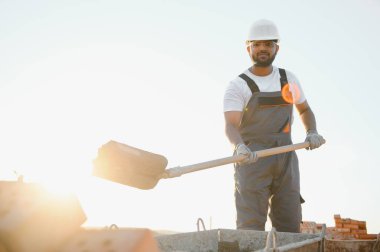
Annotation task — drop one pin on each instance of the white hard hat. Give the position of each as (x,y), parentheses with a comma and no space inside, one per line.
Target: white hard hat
(263,30)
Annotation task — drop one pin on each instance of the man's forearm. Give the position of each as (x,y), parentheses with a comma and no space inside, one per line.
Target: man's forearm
(233,134)
(308,120)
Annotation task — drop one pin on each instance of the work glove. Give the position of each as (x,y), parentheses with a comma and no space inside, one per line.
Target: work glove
(314,139)
(242,149)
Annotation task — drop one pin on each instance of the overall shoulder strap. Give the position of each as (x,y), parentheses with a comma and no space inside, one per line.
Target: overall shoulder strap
(251,83)
(283,78)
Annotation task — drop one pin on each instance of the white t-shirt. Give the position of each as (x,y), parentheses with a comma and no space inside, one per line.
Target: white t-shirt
(238,93)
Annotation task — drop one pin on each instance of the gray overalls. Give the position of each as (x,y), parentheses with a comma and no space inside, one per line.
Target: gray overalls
(271,181)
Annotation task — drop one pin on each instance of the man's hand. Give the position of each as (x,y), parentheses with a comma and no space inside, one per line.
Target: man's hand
(242,149)
(314,139)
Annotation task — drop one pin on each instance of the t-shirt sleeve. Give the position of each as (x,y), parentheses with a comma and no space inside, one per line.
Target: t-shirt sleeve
(233,97)
(295,88)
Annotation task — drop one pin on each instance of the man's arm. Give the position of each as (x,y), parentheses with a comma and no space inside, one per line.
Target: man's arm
(308,120)
(307,116)
(232,119)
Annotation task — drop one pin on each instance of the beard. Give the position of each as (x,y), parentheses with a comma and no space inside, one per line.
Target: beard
(263,63)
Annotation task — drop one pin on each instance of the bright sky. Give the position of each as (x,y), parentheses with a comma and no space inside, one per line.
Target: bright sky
(152,74)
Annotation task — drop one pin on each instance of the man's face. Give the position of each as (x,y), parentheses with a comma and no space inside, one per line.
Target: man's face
(262,52)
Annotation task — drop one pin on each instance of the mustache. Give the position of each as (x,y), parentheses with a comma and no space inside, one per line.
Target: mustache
(263,63)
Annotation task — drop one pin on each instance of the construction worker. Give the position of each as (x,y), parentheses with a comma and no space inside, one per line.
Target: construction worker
(258,110)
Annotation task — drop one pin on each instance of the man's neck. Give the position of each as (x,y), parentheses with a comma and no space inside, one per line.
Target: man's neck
(261,71)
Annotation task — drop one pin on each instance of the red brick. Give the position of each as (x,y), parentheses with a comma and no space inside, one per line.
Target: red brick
(358,231)
(366,236)
(343,230)
(346,221)
(351,226)
(319,225)
(336,216)
(362,225)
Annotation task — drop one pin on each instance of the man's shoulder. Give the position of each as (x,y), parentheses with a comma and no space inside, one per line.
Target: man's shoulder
(289,73)
(237,85)
(238,80)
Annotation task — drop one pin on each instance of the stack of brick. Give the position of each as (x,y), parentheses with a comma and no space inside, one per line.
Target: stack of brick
(311,227)
(348,229)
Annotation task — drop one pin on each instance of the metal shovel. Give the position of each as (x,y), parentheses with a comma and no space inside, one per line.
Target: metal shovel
(134,167)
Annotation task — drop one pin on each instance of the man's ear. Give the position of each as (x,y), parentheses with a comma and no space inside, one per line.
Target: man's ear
(277,48)
(249,49)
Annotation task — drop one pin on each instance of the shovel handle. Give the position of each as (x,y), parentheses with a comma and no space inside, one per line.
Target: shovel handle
(178,171)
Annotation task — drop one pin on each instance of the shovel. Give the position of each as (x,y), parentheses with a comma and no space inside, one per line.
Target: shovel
(134,167)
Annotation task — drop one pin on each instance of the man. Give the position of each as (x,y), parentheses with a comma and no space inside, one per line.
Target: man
(258,109)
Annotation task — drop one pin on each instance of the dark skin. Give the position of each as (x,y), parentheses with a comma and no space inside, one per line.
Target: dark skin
(262,55)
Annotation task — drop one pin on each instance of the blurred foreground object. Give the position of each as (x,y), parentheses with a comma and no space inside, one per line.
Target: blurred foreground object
(2,248)
(35,220)
(115,240)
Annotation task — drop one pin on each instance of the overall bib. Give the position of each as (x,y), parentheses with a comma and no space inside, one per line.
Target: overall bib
(271,182)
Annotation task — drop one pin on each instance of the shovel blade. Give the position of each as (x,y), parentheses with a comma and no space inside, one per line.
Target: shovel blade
(128,165)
